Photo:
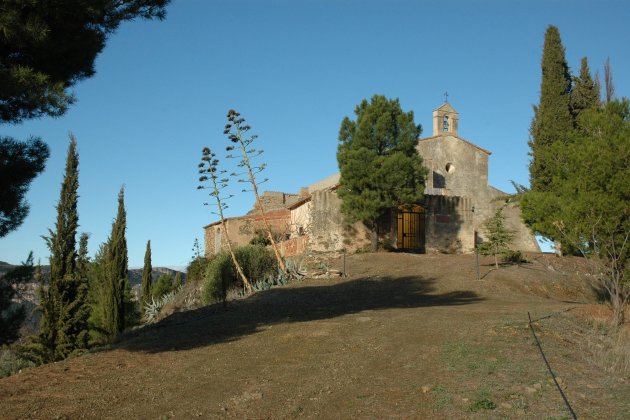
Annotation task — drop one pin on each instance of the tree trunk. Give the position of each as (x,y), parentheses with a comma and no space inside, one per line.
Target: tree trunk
(374,236)
(618,309)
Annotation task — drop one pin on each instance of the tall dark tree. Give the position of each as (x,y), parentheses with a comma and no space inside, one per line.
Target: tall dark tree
(83,260)
(117,267)
(609,86)
(35,33)
(585,93)
(34,82)
(20,163)
(380,167)
(589,208)
(147,272)
(178,281)
(12,313)
(552,121)
(65,312)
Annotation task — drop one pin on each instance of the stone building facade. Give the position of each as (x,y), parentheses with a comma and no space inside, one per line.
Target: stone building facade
(449,218)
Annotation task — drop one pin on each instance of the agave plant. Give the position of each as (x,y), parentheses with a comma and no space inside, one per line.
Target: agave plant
(152,309)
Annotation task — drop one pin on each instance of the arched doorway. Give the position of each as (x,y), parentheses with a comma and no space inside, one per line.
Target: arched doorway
(411,227)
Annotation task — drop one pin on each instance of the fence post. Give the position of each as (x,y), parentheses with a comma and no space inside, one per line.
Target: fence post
(477,259)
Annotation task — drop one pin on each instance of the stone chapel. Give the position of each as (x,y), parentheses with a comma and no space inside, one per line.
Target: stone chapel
(450,217)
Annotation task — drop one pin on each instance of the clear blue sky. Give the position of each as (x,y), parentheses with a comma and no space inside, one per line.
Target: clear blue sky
(293,69)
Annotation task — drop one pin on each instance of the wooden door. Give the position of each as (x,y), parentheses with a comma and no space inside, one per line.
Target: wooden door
(411,227)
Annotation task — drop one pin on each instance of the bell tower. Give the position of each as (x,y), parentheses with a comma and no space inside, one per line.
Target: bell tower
(445,121)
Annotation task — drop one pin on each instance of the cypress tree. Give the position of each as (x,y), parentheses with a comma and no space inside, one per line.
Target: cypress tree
(83,261)
(97,297)
(147,271)
(117,270)
(65,312)
(552,121)
(178,281)
(585,93)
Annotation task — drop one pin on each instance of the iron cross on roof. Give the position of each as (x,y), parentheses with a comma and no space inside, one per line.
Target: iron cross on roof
(446,97)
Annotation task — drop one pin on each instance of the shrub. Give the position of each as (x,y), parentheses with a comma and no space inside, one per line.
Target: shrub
(162,286)
(513,257)
(260,238)
(11,361)
(196,270)
(257,263)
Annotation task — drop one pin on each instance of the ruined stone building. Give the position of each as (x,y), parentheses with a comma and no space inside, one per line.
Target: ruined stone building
(450,218)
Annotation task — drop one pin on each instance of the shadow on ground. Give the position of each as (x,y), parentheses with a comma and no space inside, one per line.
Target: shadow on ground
(214,324)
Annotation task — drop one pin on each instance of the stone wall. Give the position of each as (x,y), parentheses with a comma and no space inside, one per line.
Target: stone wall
(329,231)
(275,200)
(458,168)
(448,224)
(243,229)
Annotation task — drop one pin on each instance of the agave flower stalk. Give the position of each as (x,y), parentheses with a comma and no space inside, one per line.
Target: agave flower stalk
(208,168)
(234,129)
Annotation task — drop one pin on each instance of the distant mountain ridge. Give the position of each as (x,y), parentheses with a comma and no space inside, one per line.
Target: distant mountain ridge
(135,274)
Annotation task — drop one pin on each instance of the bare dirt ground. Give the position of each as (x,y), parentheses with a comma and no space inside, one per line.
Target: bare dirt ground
(404,336)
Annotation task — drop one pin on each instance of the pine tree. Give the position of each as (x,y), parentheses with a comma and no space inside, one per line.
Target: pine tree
(380,167)
(65,312)
(147,272)
(498,237)
(552,121)
(585,93)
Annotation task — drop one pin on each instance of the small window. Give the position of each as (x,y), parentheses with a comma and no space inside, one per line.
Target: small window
(445,123)
(450,168)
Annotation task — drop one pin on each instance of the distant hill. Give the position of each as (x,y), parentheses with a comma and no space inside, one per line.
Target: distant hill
(29,294)
(135,274)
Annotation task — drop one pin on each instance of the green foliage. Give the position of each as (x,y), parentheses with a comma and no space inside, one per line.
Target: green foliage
(153,308)
(35,82)
(513,257)
(220,275)
(65,312)
(111,297)
(98,297)
(12,313)
(260,238)
(62,241)
(257,262)
(196,270)
(380,167)
(20,163)
(117,270)
(11,361)
(482,404)
(498,237)
(556,117)
(585,93)
(163,285)
(35,33)
(178,280)
(83,260)
(552,117)
(147,271)
(589,207)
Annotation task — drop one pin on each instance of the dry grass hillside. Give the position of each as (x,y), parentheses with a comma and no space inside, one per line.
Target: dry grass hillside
(403,336)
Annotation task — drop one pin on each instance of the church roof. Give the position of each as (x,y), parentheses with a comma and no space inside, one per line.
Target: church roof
(460,139)
(446,107)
